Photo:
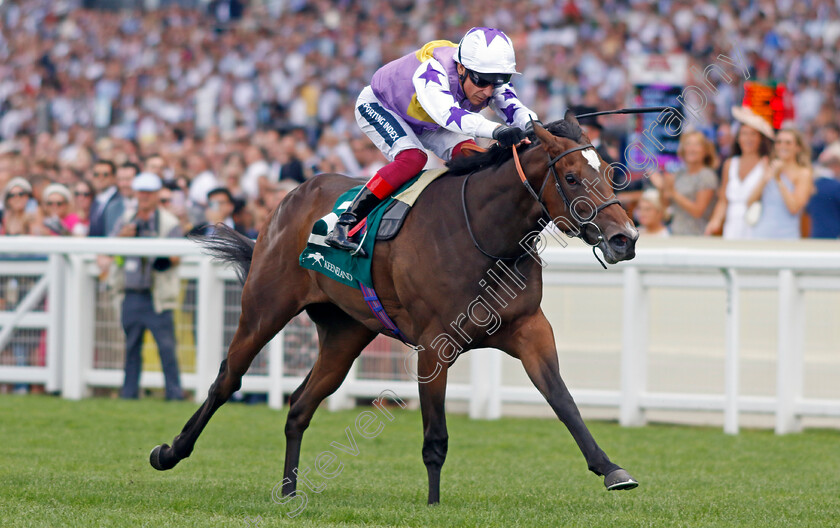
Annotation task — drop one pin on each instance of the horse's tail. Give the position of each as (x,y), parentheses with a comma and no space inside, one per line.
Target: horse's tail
(226,246)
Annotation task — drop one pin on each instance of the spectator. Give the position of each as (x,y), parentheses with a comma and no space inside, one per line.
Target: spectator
(60,220)
(785,188)
(125,177)
(690,192)
(16,219)
(108,205)
(83,193)
(650,214)
(741,174)
(150,288)
(824,206)
(220,208)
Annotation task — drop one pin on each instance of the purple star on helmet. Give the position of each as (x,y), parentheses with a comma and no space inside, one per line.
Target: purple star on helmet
(508,94)
(489,33)
(455,115)
(430,74)
(509,111)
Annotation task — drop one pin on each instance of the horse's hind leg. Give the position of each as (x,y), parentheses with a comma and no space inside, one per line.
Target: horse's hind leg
(342,339)
(261,319)
(534,346)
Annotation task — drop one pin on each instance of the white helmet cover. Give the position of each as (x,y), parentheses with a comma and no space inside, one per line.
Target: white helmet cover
(486,50)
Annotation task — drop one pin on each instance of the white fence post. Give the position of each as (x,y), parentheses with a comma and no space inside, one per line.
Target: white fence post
(486,381)
(275,371)
(210,298)
(633,349)
(80,310)
(789,360)
(55,332)
(731,363)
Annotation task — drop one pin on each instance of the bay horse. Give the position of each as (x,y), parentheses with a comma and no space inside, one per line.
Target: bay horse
(425,277)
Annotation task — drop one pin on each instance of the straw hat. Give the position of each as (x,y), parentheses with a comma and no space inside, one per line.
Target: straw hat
(746,116)
(17,182)
(57,188)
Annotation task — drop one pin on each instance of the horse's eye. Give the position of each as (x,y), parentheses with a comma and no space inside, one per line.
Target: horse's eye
(570,179)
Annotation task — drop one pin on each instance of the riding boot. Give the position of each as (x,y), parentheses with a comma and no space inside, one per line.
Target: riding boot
(339,237)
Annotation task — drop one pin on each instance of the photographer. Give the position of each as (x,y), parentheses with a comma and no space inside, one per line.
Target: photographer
(150,286)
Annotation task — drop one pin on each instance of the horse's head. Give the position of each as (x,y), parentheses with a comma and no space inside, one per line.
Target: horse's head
(583,203)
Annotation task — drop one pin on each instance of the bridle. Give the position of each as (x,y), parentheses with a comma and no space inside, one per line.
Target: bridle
(582,224)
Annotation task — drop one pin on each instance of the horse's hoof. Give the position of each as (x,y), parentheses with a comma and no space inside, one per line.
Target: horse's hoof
(619,480)
(155,461)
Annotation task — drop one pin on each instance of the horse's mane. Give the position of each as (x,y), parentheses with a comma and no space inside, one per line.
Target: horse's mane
(497,155)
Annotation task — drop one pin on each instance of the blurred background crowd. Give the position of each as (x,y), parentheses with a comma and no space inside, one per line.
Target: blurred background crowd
(234,103)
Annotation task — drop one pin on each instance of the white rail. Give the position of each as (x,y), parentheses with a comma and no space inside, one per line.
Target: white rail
(67,281)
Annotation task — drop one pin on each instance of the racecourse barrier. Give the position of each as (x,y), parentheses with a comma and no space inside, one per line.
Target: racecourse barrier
(60,329)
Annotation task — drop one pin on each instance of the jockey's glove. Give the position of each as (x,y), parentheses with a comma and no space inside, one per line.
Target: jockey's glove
(529,126)
(508,136)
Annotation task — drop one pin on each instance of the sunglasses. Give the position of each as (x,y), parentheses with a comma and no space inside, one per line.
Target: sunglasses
(165,200)
(55,204)
(483,80)
(17,194)
(78,194)
(101,174)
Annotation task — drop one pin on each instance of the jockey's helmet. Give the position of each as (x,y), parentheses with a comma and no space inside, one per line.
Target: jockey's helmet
(487,51)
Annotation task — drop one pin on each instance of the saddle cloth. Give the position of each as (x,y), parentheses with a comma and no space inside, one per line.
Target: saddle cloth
(383,223)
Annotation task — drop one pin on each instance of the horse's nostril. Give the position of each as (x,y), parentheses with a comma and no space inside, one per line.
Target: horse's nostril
(619,242)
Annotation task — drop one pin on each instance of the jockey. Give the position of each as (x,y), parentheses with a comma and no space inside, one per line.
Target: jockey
(430,99)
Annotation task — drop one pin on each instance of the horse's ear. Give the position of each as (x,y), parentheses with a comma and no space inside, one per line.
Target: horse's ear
(542,134)
(571,118)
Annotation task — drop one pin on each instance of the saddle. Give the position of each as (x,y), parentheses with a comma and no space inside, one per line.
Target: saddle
(383,223)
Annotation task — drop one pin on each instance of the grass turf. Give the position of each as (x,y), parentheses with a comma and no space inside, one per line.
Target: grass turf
(85,463)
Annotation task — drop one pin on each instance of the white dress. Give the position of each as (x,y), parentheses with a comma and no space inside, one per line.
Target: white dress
(737,193)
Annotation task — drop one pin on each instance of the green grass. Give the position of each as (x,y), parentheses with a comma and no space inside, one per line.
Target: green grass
(86,464)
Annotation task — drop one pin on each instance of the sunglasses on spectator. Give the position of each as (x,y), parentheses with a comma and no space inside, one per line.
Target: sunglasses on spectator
(15,195)
(483,80)
(165,200)
(79,193)
(104,174)
(55,204)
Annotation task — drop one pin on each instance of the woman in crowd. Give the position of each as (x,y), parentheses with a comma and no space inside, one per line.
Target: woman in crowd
(785,188)
(650,214)
(690,192)
(83,196)
(61,220)
(16,219)
(741,175)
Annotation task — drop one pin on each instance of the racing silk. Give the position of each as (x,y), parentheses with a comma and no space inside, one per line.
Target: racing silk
(424,89)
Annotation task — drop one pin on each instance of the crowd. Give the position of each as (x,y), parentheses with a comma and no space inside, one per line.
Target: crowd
(254,99)
(150,123)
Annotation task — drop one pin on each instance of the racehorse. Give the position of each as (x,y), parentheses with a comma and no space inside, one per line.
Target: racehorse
(426,278)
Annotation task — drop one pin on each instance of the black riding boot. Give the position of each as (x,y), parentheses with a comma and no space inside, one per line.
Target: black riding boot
(362,205)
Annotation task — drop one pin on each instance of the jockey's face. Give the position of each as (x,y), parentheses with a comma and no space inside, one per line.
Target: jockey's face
(476,95)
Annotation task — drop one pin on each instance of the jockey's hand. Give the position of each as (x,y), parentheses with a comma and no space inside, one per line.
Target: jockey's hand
(529,126)
(508,136)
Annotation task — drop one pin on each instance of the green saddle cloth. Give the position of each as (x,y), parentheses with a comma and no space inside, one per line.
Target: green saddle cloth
(339,264)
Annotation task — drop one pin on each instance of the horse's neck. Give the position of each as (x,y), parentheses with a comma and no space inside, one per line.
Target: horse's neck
(505,212)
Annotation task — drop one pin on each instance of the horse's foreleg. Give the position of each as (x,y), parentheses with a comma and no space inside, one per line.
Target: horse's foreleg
(534,346)
(432,382)
(340,344)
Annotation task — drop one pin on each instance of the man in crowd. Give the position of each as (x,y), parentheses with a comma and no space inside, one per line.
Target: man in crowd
(108,205)
(150,286)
